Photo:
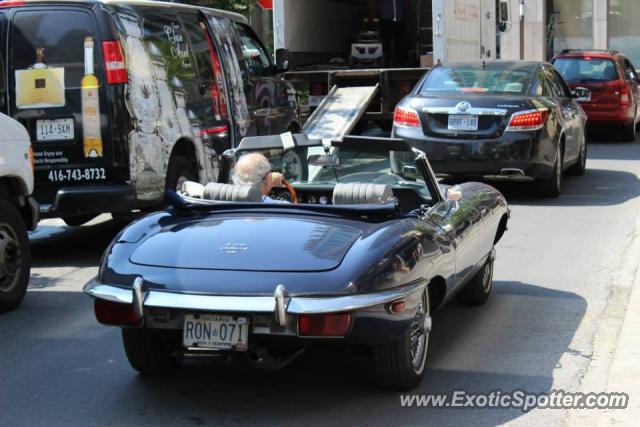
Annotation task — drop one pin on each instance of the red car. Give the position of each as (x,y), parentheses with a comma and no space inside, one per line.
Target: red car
(613,82)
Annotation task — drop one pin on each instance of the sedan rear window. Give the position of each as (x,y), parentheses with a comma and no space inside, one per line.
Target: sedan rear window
(586,70)
(476,79)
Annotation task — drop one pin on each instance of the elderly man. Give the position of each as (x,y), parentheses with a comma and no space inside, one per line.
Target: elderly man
(255,169)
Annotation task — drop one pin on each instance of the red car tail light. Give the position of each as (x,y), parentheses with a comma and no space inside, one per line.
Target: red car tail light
(113,313)
(114,64)
(528,120)
(408,117)
(324,325)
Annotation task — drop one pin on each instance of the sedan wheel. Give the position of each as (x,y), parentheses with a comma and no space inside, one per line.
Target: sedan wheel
(581,166)
(550,187)
(400,365)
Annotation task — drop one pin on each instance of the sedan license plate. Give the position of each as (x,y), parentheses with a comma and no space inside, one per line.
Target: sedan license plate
(463,122)
(216,331)
(55,130)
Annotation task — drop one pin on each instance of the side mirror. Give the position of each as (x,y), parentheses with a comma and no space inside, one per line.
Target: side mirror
(282,60)
(504,17)
(581,94)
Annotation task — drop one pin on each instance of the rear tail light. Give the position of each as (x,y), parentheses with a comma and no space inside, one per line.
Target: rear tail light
(114,64)
(316,89)
(216,89)
(11,3)
(623,93)
(528,120)
(324,325)
(113,313)
(403,116)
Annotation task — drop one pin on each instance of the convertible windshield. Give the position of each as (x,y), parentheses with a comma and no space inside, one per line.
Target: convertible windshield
(501,78)
(318,166)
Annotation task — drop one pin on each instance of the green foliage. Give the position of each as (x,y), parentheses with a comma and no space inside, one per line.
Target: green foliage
(239,6)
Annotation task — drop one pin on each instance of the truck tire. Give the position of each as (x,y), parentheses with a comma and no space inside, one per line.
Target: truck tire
(477,291)
(15,257)
(147,352)
(397,365)
(180,169)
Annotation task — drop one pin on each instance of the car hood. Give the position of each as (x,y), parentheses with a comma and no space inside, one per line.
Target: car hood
(248,244)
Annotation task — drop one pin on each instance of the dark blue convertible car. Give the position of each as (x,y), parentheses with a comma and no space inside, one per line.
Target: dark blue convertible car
(368,248)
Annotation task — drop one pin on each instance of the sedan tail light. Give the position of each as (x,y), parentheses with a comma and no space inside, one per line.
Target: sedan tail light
(113,313)
(324,325)
(528,120)
(408,117)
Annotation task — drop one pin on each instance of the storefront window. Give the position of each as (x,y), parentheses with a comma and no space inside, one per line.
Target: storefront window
(570,24)
(624,31)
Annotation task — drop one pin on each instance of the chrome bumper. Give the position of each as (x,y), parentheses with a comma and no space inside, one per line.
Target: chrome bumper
(278,304)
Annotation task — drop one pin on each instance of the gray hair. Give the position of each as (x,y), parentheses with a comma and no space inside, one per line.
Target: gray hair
(251,169)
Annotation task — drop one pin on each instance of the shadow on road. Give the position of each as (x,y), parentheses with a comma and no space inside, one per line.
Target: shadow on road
(476,349)
(63,246)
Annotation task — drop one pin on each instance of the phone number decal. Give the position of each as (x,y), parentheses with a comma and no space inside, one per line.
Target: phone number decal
(86,174)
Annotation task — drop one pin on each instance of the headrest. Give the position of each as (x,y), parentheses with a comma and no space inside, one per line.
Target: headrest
(221,192)
(361,194)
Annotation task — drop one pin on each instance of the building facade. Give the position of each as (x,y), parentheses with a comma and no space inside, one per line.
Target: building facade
(553,25)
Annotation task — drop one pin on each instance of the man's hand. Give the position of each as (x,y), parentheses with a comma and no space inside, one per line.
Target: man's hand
(277,179)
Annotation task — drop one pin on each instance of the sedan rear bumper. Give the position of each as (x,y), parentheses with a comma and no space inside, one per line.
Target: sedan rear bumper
(517,156)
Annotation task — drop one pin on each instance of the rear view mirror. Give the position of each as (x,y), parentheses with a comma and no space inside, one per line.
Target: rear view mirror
(324,160)
(504,17)
(410,173)
(581,94)
(282,60)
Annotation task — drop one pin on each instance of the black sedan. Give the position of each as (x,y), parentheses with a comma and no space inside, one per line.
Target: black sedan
(366,250)
(506,120)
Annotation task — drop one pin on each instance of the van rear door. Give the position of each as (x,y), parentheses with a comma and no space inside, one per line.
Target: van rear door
(57,92)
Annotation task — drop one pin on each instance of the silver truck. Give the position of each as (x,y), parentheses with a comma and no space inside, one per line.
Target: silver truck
(19,212)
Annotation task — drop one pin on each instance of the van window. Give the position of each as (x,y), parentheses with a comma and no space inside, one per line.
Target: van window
(254,53)
(51,38)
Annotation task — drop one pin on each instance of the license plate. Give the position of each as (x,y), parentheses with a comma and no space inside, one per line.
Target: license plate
(315,100)
(216,331)
(55,130)
(463,122)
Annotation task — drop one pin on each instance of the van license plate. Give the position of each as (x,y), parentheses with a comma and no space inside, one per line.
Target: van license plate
(55,130)
(216,331)
(463,122)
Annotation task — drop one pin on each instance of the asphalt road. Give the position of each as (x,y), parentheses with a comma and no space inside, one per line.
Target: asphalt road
(560,275)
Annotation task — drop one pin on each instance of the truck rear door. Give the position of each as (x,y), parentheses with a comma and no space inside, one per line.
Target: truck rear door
(57,91)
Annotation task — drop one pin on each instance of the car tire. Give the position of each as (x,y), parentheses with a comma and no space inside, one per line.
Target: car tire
(581,165)
(147,352)
(551,187)
(629,132)
(180,169)
(76,221)
(396,365)
(15,257)
(477,291)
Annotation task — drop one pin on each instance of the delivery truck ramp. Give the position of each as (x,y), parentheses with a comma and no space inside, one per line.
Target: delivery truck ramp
(339,112)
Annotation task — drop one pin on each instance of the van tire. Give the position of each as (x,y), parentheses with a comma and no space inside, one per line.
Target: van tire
(13,235)
(629,132)
(180,170)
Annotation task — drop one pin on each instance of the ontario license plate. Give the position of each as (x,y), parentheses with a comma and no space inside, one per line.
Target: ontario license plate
(55,130)
(216,331)
(463,122)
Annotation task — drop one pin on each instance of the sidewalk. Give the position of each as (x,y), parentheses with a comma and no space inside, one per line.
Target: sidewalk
(624,373)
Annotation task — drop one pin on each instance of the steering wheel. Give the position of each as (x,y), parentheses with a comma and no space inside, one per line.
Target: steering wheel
(291,190)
